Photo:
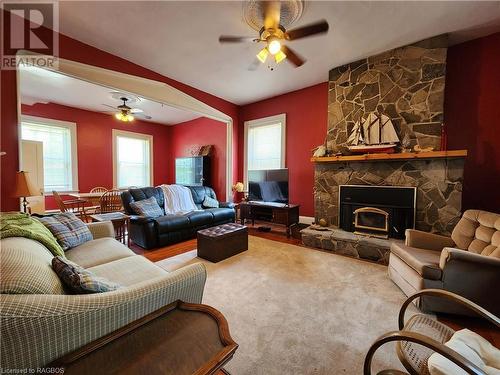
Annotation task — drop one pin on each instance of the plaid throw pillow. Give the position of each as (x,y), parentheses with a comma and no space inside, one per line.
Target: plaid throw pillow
(210,202)
(78,279)
(147,207)
(69,230)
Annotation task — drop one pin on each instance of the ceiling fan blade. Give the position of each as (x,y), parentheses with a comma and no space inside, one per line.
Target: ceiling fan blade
(308,30)
(142,115)
(109,106)
(136,110)
(292,56)
(272,14)
(236,39)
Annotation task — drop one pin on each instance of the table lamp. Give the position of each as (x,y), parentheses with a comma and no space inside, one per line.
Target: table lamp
(24,188)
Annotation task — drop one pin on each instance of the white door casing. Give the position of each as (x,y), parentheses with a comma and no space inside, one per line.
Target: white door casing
(31,161)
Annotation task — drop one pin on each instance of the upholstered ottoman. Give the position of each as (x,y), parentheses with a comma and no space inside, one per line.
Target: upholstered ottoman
(223,241)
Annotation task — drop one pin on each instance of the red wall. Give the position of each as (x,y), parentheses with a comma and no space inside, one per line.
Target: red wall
(306,123)
(72,49)
(199,132)
(94,144)
(472,117)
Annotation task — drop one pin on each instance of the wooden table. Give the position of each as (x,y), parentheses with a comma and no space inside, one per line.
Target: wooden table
(178,339)
(93,198)
(120,223)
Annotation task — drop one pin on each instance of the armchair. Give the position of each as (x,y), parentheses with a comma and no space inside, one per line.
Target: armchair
(467,264)
(421,336)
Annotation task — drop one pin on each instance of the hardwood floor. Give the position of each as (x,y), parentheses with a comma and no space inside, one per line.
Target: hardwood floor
(166,251)
(480,326)
(278,233)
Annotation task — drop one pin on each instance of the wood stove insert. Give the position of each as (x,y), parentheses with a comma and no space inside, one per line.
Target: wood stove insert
(379,211)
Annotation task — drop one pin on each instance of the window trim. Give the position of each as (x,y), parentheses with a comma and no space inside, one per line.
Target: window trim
(148,137)
(74,144)
(281,118)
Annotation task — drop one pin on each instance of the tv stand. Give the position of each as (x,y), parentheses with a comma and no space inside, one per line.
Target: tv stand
(283,214)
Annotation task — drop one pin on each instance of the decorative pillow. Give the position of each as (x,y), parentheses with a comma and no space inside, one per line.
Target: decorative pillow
(473,347)
(69,230)
(147,207)
(210,202)
(79,280)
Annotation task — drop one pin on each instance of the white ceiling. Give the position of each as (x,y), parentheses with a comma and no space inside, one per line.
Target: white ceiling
(41,86)
(180,39)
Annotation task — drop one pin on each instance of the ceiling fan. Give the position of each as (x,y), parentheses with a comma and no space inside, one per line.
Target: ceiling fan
(274,34)
(125,113)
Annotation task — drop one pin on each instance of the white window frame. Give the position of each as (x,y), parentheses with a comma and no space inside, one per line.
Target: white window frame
(74,152)
(116,133)
(281,118)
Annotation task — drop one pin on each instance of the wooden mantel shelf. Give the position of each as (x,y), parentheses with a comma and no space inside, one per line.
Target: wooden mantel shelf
(395,156)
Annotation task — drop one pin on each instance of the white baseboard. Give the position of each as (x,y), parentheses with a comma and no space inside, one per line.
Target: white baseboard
(306,220)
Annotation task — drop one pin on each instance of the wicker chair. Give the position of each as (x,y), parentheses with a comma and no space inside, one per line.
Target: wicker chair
(111,201)
(421,336)
(77,206)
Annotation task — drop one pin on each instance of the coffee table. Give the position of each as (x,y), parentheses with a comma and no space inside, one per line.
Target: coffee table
(222,241)
(179,339)
(120,223)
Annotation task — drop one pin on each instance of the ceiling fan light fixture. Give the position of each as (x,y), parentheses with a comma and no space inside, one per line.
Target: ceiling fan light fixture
(279,57)
(125,117)
(274,46)
(262,55)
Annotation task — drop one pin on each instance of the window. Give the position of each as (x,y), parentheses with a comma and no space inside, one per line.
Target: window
(59,151)
(132,159)
(265,143)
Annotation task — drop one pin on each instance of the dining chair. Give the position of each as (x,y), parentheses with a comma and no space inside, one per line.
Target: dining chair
(111,201)
(98,189)
(76,206)
(96,201)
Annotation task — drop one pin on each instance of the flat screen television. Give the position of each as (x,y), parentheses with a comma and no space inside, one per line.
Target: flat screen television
(269,185)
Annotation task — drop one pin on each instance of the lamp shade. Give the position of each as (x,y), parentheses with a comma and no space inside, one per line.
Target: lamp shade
(24,187)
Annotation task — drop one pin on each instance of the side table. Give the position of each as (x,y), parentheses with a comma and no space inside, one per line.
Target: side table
(178,339)
(120,223)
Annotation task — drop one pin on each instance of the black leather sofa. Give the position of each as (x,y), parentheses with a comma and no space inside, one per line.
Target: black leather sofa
(151,233)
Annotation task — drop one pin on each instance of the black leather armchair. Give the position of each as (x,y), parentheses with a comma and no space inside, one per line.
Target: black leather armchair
(151,233)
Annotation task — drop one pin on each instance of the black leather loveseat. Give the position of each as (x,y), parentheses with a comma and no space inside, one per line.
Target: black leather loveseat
(151,233)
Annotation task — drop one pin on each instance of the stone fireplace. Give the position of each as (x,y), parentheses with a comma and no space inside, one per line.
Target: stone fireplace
(407,85)
(438,183)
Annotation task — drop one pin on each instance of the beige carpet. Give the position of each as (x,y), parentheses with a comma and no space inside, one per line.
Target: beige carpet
(295,310)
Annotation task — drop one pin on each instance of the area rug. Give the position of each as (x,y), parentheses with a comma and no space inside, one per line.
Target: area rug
(295,310)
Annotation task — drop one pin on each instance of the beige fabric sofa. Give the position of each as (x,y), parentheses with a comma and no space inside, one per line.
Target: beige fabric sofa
(40,321)
(467,264)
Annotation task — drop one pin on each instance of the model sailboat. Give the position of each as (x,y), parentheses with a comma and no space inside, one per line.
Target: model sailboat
(374,134)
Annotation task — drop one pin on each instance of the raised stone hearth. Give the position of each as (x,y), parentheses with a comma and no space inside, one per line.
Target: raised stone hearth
(438,183)
(346,243)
